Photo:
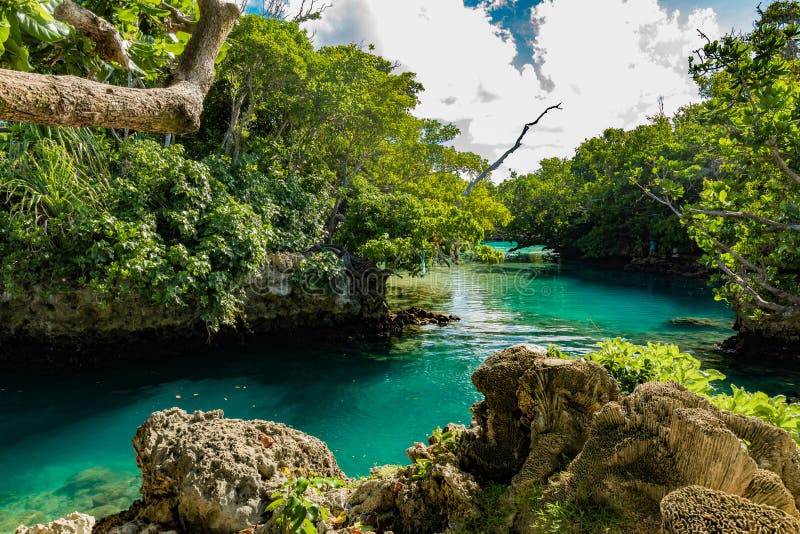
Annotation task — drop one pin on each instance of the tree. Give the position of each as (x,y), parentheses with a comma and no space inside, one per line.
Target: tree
(747,218)
(66,100)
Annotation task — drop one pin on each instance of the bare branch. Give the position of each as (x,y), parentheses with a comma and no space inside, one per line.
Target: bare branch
(109,45)
(661,200)
(508,152)
(310,12)
(71,101)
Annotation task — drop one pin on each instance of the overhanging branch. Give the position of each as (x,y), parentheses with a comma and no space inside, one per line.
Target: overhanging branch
(71,101)
(109,45)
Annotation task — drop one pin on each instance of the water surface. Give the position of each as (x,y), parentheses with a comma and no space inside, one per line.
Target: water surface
(65,440)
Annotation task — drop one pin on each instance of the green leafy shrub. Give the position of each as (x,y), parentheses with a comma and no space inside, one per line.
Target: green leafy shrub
(323,271)
(296,512)
(631,365)
(487,254)
(774,410)
(164,230)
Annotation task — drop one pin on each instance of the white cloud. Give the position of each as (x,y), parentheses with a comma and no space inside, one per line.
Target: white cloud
(607,60)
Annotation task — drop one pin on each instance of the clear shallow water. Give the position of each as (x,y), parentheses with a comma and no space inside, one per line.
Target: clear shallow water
(65,441)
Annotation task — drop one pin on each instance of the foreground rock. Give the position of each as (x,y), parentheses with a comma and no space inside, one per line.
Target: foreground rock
(536,412)
(662,438)
(662,457)
(410,501)
(698,510)
(204,473)
(74,523)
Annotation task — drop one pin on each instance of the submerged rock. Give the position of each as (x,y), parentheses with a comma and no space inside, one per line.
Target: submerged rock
(74,523)
(699,510)
(205,473)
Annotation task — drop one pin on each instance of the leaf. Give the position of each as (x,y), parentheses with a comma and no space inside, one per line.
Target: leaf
(37,26)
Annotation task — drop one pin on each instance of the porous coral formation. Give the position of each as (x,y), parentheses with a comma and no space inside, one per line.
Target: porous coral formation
(661,438)
(699,510)
(206,473)
(536,411)
(74,523)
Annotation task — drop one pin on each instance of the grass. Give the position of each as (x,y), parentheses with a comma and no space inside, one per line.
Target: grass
(539,510)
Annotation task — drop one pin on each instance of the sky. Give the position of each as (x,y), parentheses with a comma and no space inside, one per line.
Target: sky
(489,66)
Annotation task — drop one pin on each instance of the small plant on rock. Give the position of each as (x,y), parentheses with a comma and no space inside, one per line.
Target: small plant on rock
(299,514)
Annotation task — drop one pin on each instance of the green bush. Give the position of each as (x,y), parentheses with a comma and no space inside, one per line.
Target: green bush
(164,230)
(631,365)
(296,512)
(487,254)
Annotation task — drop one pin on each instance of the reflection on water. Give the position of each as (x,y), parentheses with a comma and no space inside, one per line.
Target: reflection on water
(70,446)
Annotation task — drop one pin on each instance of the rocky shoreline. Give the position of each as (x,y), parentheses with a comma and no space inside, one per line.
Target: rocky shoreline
(79,328)
(662,458)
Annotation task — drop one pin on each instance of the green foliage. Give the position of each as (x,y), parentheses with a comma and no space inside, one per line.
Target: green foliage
(631,365)
(564,515)
(774,410)
(589,205)
(487,254)
(296,512)
(443,441)
(421,468)
(323,271)
(163,229)
(539,509)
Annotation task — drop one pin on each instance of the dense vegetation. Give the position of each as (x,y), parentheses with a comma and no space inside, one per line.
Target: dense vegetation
(300,150)
(719,179)
(307,149)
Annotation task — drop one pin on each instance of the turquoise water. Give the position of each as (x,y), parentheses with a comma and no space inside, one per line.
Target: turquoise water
(65,440)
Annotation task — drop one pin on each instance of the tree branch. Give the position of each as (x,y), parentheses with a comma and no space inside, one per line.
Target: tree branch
(109,45)
(778,159)
(178,20)
(745,215)
(508,152)
(70,101)
(794,299)
(758,299)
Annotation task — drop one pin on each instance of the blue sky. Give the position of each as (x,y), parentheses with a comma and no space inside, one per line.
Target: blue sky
(489,66)
(515,16)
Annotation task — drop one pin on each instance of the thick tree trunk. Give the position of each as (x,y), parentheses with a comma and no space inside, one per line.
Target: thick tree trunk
(71,101)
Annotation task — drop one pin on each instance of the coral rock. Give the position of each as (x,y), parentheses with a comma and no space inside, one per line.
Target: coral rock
(409,504)
(210,474)
(658,439)
(74,523)
(698,510)
(537,409)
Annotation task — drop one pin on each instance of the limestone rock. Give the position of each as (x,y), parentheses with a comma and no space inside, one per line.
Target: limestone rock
(698,510)
(407,502)
(206,473)
(74,523)
(658,439)
(536,410)
(771,447)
